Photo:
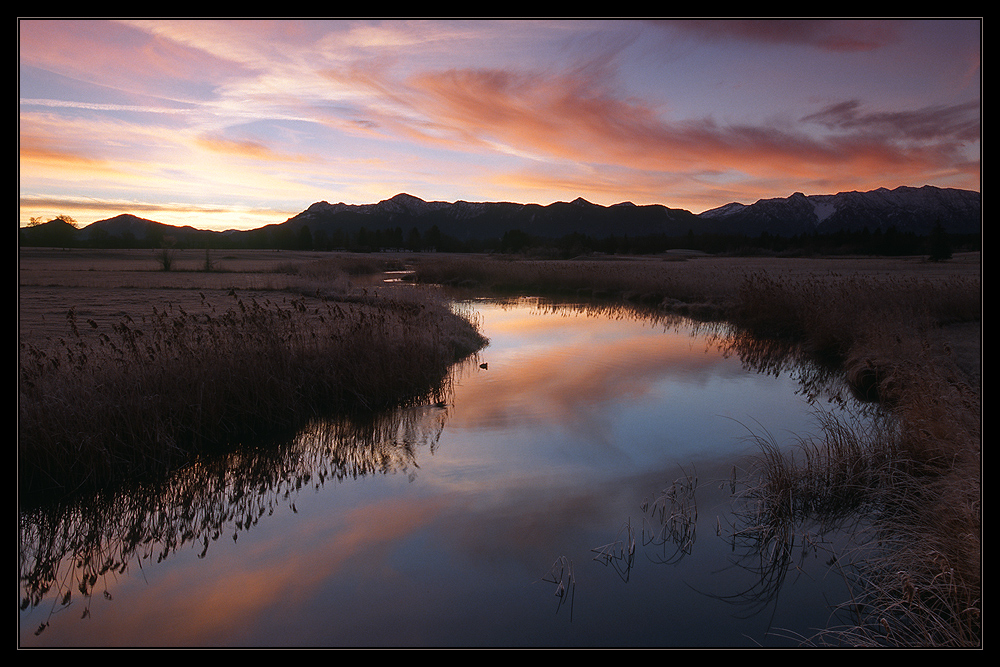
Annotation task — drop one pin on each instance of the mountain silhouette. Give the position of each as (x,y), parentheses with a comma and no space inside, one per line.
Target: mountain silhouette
(404,219)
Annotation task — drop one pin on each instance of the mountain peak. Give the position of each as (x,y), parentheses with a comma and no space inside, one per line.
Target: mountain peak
(404,198)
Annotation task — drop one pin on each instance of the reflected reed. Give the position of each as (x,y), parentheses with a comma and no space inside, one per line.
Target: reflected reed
(818,496)
(562,576)
(671,518)
(68,550)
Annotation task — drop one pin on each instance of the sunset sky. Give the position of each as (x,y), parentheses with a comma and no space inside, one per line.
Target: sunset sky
(235,124)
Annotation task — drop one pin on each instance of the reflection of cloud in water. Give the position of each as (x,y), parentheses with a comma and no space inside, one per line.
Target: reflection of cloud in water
(568,370)
(597,394)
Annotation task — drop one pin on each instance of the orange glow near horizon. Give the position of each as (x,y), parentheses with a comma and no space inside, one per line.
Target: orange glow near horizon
(238,124)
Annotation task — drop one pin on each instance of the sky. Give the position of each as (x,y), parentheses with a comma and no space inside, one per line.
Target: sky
(235,124)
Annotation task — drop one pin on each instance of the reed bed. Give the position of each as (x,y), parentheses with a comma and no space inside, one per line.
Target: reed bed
(912,560)
(101,405)
(793,502)
(915,479)
(651,282)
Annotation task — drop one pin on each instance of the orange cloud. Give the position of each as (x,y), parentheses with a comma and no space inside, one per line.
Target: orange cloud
(548,131)
(599,143)
(39,150)
(245,148)
(580,120)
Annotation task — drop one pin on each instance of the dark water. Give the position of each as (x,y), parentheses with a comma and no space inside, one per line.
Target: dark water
(519,512)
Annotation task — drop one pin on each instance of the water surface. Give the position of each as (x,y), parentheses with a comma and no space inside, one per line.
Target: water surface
(501,516)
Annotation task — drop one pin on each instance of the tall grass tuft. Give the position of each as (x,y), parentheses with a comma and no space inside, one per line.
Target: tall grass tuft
(912,564)
(143,397)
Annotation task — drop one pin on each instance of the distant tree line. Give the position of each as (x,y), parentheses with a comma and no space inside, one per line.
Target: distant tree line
(362,240)
(938,245)
(62,232)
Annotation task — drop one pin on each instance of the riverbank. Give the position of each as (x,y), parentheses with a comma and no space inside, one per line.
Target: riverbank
(120,382)
(906,334)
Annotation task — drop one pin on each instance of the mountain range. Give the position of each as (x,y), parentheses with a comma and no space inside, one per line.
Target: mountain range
(903,209)
(915,210)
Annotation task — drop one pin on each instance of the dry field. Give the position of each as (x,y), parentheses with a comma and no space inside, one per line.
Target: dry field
(106,285)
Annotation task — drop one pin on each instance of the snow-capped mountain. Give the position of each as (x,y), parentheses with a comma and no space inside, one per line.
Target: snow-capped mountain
(907,209)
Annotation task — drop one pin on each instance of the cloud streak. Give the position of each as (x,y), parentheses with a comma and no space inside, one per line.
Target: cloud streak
(957,122)
(690,114)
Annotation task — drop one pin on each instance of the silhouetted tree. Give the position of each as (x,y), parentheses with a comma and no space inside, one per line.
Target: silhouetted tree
(514,240)
(433,240)
(940,244)
(305,238)
(413,242)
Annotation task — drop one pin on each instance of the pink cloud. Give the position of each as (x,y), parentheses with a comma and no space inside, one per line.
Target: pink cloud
(119,57)
(572,126)
(564,118)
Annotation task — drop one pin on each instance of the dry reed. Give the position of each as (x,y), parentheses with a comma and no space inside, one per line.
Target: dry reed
(90,412)
(140,399)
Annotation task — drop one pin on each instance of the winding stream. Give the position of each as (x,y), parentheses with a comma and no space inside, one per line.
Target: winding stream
(573,490)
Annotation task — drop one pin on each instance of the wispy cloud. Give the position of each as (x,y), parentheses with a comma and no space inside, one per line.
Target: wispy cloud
(956,122)
(683,113)
(249,149)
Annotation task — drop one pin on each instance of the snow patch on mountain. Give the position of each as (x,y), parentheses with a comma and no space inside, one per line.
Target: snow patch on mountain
(823,210)
(722,211)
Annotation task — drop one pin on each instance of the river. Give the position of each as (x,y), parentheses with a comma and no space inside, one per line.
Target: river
(572,488)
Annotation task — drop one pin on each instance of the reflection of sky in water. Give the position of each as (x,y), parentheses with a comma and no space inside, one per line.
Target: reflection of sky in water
(545,453)
(593,392)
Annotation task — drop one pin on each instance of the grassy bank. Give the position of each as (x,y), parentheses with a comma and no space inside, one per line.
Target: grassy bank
(905,334)
(124,396)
